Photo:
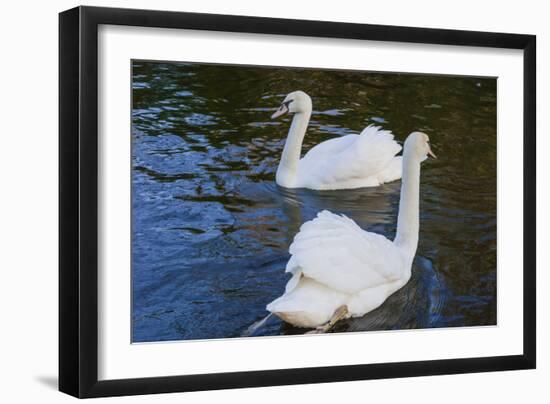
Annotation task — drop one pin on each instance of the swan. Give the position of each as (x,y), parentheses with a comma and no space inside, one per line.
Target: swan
(347,162)
(340,270)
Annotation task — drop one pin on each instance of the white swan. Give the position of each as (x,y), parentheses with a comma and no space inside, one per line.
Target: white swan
(352,161)
(339,270)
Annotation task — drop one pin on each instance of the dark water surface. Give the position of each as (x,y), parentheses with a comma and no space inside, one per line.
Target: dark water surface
(211,229)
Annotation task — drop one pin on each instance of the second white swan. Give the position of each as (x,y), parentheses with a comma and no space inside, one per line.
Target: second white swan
(340,270)
(347,162)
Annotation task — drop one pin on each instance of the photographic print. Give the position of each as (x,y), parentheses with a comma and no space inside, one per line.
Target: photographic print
(272,201)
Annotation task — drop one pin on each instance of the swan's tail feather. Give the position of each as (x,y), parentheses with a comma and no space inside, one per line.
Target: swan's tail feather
(381,140)
(360,163)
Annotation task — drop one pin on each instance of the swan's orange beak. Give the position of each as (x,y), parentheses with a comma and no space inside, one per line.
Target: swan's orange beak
(283,109)
(431,153)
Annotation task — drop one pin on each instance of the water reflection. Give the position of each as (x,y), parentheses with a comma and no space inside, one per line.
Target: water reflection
(212,230)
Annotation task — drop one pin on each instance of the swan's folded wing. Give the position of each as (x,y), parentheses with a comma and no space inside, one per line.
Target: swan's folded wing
(366,155)
(329,148)
(336,252)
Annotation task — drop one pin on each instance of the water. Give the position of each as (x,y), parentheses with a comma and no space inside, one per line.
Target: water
(211,229)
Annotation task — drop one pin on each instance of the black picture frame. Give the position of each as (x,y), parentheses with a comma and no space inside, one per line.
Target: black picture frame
(78,200)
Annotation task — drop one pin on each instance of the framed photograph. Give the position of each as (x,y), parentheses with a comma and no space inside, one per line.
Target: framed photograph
(252,201)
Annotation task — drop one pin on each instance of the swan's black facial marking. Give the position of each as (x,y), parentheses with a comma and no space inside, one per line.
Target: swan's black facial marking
(283,109)
(287,103)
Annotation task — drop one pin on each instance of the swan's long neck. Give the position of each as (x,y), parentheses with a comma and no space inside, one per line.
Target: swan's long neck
(408,218)
(288,166)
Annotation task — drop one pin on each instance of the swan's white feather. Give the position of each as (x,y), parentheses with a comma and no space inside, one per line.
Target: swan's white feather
(352,161)
(308,304)
(334,262)
(335,251)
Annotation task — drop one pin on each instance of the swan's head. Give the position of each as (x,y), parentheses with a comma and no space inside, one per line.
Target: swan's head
(418,143)
(295,102)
